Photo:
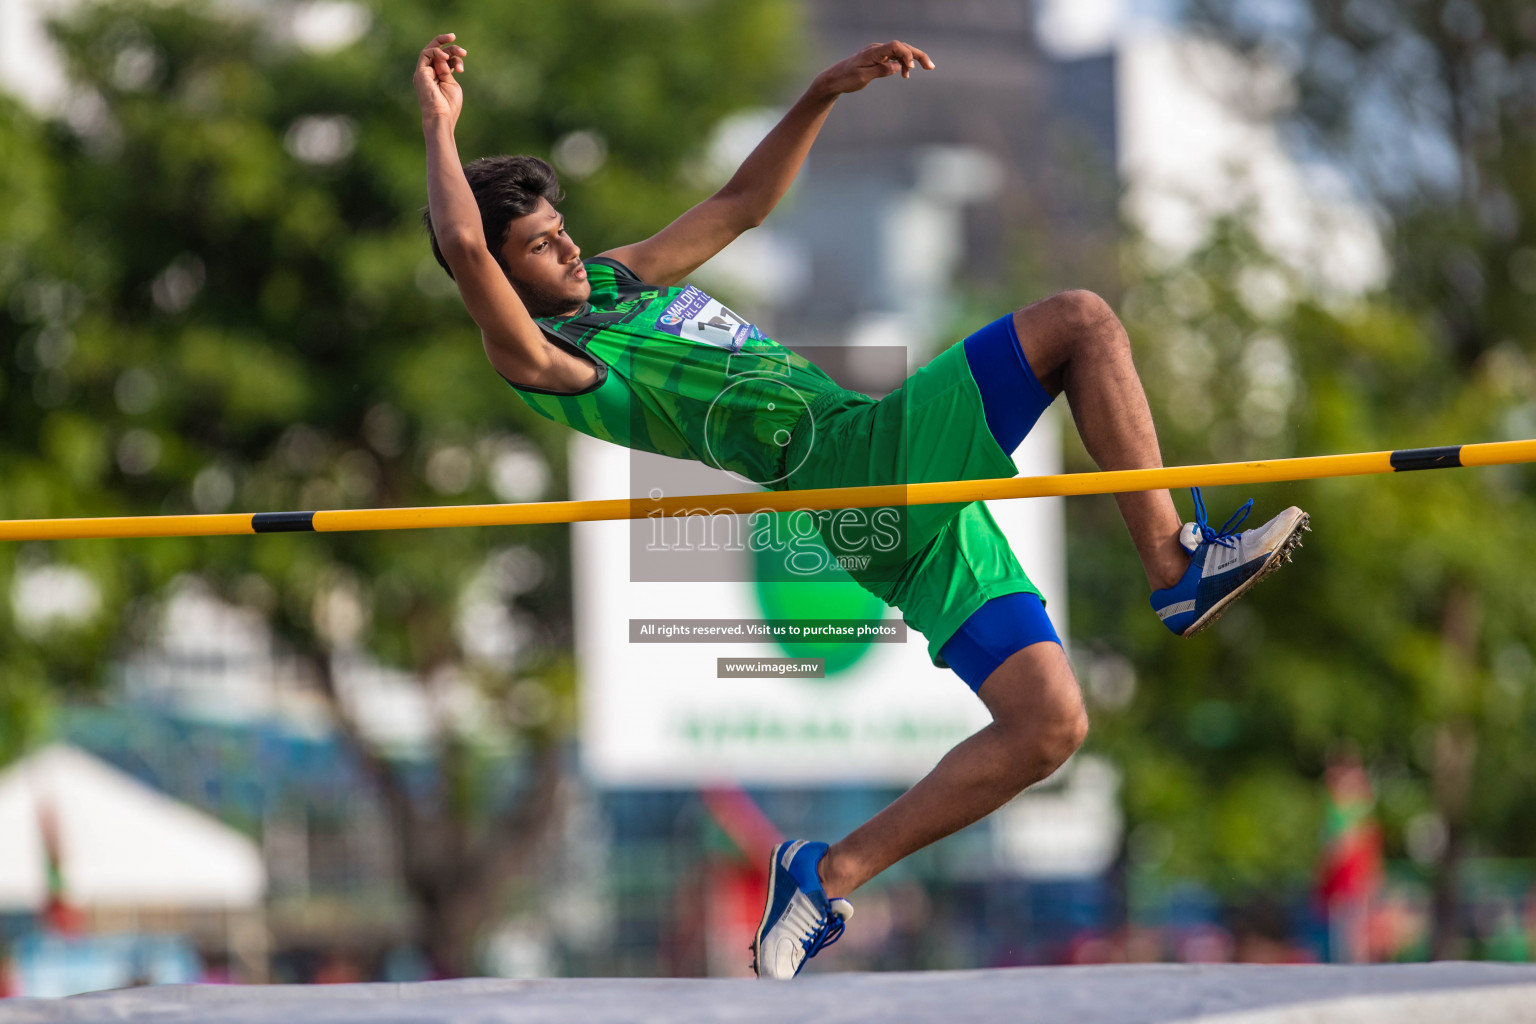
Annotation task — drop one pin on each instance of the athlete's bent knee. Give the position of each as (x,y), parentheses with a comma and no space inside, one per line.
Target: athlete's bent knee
(1081,308)
(1061,737)
(1082,317)
(1055,734)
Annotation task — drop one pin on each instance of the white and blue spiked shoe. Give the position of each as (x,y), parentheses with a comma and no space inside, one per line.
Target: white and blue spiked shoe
(1224,564)
(799,920)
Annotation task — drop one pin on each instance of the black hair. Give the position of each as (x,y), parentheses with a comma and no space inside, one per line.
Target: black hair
(505,188)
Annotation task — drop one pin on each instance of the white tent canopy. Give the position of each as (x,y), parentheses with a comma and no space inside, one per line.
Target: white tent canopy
(120,843)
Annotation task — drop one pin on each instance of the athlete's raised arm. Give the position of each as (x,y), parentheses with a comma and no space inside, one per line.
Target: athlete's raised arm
(513,341)
(757,186)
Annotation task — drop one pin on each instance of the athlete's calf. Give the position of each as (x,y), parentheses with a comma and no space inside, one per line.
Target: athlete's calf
(1038,721)
(1076,345)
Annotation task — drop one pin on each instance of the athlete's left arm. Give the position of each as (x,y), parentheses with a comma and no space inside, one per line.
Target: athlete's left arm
(757,186)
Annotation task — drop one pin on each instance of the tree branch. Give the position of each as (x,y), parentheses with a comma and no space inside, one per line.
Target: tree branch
(510,844)
(402,808)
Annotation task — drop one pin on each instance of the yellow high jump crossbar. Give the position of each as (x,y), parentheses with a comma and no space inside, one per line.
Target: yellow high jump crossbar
(531,513)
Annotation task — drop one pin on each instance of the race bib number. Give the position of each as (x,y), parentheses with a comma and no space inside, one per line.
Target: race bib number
(695,316)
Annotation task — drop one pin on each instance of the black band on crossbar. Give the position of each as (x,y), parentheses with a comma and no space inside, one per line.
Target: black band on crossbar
(1405,459)
(283,522)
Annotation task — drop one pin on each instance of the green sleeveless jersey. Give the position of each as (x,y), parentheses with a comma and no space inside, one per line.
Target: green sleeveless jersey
(681,375)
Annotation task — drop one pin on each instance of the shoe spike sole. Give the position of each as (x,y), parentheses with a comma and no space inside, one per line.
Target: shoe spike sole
(1278,557)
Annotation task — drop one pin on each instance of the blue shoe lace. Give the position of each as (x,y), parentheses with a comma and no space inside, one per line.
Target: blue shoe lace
(1227,535)
(824,936)
(819,940)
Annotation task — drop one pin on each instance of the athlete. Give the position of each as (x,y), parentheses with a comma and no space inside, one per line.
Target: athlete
(618,347)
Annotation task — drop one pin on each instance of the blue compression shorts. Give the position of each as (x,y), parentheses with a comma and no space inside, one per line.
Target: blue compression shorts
(1011,394)
(1013,400)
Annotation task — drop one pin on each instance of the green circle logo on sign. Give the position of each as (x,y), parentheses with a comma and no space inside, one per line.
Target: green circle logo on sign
(786,590)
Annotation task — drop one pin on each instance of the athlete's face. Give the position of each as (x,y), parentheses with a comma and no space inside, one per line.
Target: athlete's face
(544,265)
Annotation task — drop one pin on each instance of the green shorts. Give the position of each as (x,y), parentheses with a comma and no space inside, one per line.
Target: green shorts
(936,563)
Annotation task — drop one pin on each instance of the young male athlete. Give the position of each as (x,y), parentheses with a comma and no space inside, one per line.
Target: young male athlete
(617,348)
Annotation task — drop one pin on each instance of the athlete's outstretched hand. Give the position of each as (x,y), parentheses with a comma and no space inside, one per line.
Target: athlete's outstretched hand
(437,92)
(877,60)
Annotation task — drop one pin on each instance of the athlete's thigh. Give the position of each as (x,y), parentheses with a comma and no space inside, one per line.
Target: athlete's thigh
(966,565)
(1033,688)
(1012,397)
(934,427)
(992,634)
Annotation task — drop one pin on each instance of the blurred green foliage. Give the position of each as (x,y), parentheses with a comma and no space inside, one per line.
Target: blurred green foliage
(1404,630)
(1408,608)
